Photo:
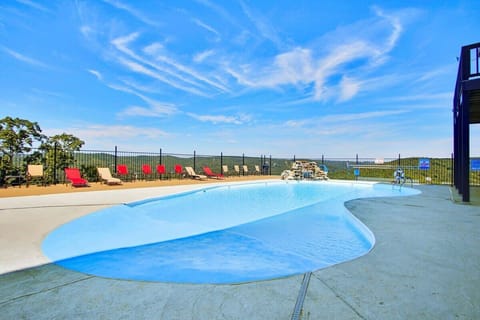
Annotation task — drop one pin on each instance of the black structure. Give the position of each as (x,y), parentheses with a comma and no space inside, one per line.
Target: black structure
(466,110)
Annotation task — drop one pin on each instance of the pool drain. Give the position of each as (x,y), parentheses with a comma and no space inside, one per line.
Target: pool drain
(301,296)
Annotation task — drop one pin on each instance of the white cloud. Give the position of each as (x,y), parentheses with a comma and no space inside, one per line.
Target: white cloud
(200,57)
(34,5)
(220,118)
(348,88)
(179,76)
(137,14)
(24,58)
(207,27)
(262,24)
(97,74)
(304,65)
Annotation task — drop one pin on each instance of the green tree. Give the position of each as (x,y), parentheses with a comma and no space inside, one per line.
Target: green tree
(16,136)
(59,152)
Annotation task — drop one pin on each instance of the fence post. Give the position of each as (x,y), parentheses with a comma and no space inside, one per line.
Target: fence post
(294,158)
(399,163)
(55,163)
(452,164)
(322,160)
(160,158)
(221,162)
(356,159)
(270,166)
(194,160)
(115,161)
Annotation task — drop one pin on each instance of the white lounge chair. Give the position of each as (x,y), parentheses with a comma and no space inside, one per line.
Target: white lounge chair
(191,173)
(106,176)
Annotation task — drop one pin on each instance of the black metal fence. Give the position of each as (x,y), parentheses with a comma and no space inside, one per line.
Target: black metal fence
(417,169)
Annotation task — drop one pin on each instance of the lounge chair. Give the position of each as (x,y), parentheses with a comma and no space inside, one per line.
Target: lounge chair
(75,178)
(147,171)
(161,171)
(225,170)
(35,171)
(236,168)
(257,169)
(191,173)
(178,170)
(245,170)
(106,176)
(208,172)
(122,171)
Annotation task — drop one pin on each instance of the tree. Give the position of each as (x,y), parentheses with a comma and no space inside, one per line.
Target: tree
(59,151)
(16,136)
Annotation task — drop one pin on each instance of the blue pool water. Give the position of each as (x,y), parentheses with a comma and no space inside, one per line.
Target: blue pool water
(228,234)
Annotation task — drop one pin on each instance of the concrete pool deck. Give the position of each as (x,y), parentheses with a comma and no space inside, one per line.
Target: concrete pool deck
(425,265)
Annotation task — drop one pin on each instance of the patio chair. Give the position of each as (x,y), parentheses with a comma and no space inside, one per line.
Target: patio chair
(122,171)
(106,176)
(245,170)
(191,173)
(178,170)
(225,170)
(161,171)
(35,171)
(208,172)
(257,169)
(147,171)
(73,175)
(236,168)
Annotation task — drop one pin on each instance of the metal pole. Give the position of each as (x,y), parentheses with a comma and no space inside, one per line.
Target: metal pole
(243,163)
(55,163)
(160,158)
(270,166)
(221,162)
(115,160)
(194,160)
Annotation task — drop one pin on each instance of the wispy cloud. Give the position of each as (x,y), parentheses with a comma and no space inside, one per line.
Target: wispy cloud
(23,58)
(208,28)
(135,13)
(34,5)
(155,108)
(305,65)
(99,131)
(264,27)
(200,57)
(179,75)
(96,73)
(215,119)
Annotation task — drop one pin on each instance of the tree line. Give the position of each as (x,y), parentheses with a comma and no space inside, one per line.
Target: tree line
(18,136)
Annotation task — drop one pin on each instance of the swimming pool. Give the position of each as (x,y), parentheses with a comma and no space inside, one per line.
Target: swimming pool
(222,234)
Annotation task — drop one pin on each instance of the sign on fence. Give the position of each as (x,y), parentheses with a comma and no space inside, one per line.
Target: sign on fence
(424,163)
(475,165)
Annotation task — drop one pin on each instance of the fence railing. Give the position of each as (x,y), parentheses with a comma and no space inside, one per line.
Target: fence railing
(438,170)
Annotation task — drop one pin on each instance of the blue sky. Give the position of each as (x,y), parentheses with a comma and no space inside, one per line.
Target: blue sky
(284,78)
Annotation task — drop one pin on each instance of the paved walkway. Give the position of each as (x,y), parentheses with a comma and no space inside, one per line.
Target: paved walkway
(425,265)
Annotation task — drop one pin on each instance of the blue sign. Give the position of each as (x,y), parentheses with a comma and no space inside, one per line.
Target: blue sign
(475,165)
(424,163)
(356,172)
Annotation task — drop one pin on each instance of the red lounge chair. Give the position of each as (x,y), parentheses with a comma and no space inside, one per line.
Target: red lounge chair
(208,172)
(73,175)
(122,171)
(179,170)
(161,170)
(147,171)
